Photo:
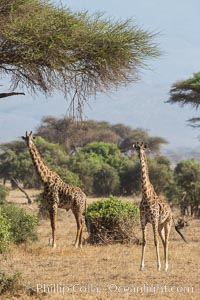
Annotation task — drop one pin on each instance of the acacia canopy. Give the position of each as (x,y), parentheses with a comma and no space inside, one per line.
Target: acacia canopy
(187,92)
(73,135)
(46,48)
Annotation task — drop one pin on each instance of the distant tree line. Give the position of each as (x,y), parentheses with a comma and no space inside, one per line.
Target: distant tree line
(99,168)
(102,168)
(72,135)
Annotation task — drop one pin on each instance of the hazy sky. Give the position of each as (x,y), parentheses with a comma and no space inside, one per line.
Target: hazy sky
(138,105)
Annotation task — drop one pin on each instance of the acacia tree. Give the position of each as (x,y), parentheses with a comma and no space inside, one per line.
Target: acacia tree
(187,92)
(72,135)
(44,48)
(187,178)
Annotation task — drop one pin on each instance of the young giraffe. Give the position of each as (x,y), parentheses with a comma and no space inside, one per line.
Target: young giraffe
(154,210)
(57,194)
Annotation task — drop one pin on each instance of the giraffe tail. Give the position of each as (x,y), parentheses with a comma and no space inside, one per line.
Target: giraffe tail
(178,231)
(87,221)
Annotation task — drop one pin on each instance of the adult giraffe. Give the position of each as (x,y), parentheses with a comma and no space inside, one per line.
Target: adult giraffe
(57,194)
(154,210)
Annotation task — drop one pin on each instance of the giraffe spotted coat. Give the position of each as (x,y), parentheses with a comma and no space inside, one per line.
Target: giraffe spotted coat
(57,194)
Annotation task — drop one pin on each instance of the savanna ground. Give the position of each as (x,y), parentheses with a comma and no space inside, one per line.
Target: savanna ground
(101,272)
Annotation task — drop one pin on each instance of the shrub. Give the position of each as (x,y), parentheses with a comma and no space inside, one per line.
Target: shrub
(3,194)
(9,283)
(112,220)
(22,225)
(4,232)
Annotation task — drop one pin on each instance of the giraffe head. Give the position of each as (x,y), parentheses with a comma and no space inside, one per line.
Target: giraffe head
(140,147)
(28,138)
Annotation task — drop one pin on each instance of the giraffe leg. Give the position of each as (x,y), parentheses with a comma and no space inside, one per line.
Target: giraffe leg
(143,226)
(79,222)
(80,236)
(161,234)
(167,232)
(156,242)
(53,215)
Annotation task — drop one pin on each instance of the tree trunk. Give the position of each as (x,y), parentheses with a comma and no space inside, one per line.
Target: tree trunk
(22,190)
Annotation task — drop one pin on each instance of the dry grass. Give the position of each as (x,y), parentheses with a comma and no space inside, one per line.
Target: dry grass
(106,272)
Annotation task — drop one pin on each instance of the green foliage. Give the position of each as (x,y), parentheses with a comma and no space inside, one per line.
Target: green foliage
(187,178)
(194,82)
(97,165)
(109,153)
(112,220)
(26,171)
(53,153)
(22,225)
(105,178)
(174,193)
(48,48)
(112,208)
(4,232)
(98,168)
(68,176)
(160,173)
(130,178)
(106,181)
(85,165)
(8,164)
(16,226)
(9,283)
(3,194)
(187,92)
(187,173)
(18,163)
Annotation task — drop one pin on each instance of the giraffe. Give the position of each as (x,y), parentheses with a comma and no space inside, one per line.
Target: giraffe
(154,210)
(57,194)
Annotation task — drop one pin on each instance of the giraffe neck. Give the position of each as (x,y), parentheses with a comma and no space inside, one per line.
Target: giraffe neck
(147,188)
(41,168)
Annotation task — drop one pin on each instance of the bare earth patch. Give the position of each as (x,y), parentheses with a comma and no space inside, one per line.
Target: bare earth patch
(101,272)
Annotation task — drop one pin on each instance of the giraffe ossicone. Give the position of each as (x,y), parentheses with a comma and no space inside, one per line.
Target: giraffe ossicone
(57,194)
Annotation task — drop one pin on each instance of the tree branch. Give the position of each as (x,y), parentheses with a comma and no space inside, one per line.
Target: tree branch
(4,95)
